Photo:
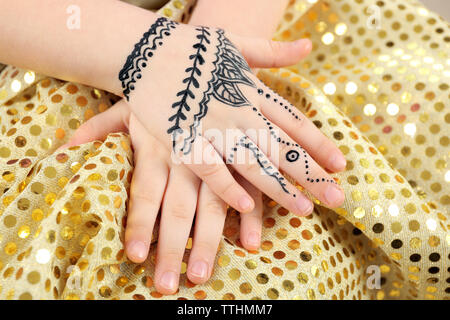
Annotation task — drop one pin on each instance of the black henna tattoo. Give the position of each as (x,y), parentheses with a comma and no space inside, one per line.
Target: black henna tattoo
(193,72)
(229,71)
(292,155)
(288,107)
(262,161)
(142,52)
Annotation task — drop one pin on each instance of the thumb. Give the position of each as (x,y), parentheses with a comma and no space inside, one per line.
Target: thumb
(263,53)
(115,119)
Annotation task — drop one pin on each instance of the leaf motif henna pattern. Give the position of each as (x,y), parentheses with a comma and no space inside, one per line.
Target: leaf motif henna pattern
(193,72)
(292,155)
(142,52)
(268,169)
(229,71)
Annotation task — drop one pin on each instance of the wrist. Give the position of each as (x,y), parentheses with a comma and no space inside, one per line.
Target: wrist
(92,53)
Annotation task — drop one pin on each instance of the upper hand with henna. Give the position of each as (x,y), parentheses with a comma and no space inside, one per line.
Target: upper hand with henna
(153,187)
(191,88)
(156,185)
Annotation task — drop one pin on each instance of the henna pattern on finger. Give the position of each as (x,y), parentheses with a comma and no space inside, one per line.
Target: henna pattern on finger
(142,52)
(288,107)
(292,155)
(262,161)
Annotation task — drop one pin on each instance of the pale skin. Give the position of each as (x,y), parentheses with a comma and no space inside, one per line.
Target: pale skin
(147,110)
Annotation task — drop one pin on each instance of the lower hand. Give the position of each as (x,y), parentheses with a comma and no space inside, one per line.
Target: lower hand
(160,185)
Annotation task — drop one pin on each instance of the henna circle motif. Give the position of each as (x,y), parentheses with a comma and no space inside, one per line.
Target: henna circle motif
(292,156)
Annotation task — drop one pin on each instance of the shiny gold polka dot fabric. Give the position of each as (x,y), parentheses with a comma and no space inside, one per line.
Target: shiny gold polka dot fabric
(376,83)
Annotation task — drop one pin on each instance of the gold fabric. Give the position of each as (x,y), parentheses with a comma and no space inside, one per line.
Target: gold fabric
(379,90)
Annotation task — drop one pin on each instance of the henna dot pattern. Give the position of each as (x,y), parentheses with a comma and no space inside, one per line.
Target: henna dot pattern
(288,107)
(293,155)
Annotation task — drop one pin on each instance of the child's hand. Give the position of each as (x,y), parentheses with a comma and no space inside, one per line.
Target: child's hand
(158,184)
(192,89)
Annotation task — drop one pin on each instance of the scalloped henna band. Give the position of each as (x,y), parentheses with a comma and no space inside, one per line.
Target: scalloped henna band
(142,52)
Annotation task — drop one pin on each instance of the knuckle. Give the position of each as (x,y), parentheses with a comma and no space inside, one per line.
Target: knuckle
(251,220)
(281,194)
(215,206)
(147,198)
(137,229)
(227,188)
(273,49)
(205,248)
(210,170)
(171,255)
(298,125)
(180,212)
(253,167)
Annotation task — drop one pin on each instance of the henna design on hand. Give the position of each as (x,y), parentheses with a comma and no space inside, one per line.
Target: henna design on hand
(229,71)
(142,52)
(288,107)
(292,155)
(193,71)
(262,161)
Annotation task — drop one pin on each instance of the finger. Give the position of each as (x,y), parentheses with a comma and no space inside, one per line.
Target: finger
(209,222)
(146,192)
(115,119)
(251,223)
(207,164)
(178,210)
(296,162)
(302,130)
(253,165)
(263,53)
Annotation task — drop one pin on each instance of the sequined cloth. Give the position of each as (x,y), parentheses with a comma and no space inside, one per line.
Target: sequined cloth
(376,83)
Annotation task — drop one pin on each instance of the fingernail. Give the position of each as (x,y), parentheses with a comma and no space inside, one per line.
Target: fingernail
(199,269)
(338,162)
(305,44)
(253,239)
(245,203)
(333,195)
(137,250)
(304,206)
(168,280)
